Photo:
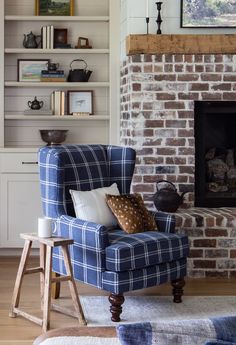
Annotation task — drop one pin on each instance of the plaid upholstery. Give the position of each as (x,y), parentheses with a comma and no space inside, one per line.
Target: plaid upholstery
(133,251)
(81,167)
(85,167)
(120,282)
(165,222)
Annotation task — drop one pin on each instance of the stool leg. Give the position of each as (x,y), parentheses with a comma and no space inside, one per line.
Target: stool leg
(42,255)
(19,277)
(47,289)
(72,286)
(56,287)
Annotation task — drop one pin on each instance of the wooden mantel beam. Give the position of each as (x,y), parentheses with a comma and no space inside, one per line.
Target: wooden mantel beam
(181,44)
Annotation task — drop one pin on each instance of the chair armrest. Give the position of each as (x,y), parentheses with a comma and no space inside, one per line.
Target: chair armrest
(86,234)
(165,221)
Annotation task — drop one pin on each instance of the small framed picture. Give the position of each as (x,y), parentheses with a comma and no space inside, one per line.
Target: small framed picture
(208,14)
(54,8)
(30,70)
(80,102)
(60,38)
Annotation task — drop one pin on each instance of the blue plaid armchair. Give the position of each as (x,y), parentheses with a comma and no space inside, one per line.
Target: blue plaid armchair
(112,260)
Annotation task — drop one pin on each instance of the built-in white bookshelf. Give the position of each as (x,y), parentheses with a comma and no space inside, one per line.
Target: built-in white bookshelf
(98,21)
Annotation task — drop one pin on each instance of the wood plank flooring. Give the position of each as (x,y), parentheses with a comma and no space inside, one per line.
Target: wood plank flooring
(19,331)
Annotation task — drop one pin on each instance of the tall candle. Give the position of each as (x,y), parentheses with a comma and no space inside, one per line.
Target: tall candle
(147,9)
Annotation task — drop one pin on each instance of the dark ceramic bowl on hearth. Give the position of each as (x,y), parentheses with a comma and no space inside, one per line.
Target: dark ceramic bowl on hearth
(53,136)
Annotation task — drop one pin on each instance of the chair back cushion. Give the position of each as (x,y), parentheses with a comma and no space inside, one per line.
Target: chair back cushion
(81,167)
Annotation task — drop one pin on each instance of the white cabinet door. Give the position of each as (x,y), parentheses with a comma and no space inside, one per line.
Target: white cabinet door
(20,207)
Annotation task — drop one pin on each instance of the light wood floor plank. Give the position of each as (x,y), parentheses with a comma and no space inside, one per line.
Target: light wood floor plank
(19,331)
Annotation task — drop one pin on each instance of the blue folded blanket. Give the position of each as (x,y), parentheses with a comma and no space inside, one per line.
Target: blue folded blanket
(215,331)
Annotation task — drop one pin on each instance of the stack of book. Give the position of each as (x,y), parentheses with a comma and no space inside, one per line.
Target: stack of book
(47,37)
(53,76)
(58,102)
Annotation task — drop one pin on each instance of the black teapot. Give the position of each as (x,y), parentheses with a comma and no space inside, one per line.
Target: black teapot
(166,198)
(80,74)
(35,104)
(30,41)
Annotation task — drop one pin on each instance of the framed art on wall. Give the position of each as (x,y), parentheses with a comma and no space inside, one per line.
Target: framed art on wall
(54,8)
(30,69)
(80,102)
(208,13)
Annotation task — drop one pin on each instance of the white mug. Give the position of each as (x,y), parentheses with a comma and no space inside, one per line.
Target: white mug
(46,227)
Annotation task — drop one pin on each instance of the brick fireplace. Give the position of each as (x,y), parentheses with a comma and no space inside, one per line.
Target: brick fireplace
(157,119)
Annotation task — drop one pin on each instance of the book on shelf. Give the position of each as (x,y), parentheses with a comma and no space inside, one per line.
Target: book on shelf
(47,37)
(53,79)
(56,72)
(53,76)
(58,103)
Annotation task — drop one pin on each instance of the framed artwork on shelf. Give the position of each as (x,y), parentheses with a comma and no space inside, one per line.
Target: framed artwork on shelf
(60,38)
(208,14)
(30,69)
(80,102)
(54,8)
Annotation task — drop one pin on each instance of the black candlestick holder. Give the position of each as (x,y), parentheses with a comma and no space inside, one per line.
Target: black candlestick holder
(147,22)
(159,20)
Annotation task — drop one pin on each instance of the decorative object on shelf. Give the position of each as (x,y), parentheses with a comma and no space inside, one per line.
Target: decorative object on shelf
(58,103)
(79,74)
(30,69)
(60,38)
(40,112)
(147,16)
(159,20)
(35,104)
(53,74)
(166,198)
(53,136)
(52,66)
(54,8)
(147,22)
(208,14)
(80,102)
(30,40)
(83,43)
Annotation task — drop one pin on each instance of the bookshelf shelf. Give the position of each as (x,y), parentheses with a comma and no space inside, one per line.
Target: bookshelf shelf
(57,118)
(84,85)
(55,51)
(57,18)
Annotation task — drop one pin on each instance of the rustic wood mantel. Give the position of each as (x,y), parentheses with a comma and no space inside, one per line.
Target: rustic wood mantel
(181,44)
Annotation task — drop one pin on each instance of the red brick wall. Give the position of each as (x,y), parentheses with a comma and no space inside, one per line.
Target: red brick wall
(157,113)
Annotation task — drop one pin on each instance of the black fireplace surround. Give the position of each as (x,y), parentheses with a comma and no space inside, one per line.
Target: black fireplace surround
(215,153)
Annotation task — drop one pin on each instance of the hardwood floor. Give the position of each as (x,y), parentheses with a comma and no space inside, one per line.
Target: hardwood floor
(19,331)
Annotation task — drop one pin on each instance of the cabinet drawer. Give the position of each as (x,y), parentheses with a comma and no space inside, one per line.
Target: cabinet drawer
(19,162)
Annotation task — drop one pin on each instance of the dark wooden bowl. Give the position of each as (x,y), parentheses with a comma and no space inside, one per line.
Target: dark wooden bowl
(53,136)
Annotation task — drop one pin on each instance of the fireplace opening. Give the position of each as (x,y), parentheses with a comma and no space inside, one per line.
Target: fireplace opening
(215,153)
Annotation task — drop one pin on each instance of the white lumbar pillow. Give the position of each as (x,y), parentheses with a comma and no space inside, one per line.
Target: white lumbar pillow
(91,205)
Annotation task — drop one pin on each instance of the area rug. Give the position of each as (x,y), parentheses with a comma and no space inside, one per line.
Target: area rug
(154,308)
(80,341)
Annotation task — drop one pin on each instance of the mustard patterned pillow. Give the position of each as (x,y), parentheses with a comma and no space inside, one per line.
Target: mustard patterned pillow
(131,213)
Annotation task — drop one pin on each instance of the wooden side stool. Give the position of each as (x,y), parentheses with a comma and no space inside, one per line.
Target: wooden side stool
(46,280)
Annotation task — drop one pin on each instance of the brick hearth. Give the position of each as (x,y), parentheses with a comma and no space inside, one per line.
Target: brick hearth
(212,237)
(157,119)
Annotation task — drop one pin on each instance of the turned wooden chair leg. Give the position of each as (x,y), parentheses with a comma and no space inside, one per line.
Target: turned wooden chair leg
(116,308)
(56,287)
(178,291)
